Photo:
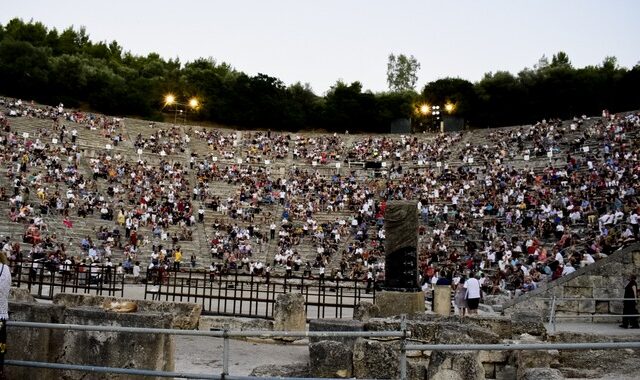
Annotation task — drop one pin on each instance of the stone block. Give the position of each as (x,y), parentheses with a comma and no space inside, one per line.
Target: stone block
(587,306)
(93,348)
(423,331)
(506,372)
(382,324)
(602,307)
(112,349)
(289,313)
(608,292)
(417,369)
(636,259)
(330,359)
(20,295)
(568,317)
(494,356)
(396,303)
(184,315)
(375,359)
(489,370)
(534,359)
(498,299)
(208,323)
(497,324)
(298,370)
(581,373)
(32,344)
(426,332)
(335,325)
(584,281)
(615,307)
(567,305)
(541,374)
(365,310)
(442,300)
(578,292)
(455,333)
(612,269)
(463,363)
(528,322)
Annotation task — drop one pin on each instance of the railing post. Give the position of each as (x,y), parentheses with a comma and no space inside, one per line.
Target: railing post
(403,348)
(552,312)
(225,351)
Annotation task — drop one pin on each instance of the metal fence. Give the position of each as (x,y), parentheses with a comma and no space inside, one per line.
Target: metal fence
(248,295)
(46,278)
(225,334)
(585,315)
(403,335)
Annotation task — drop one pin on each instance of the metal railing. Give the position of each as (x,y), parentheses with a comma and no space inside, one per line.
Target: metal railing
(226,334)
(246,295)
(403,334)
(553,310)
(44,278)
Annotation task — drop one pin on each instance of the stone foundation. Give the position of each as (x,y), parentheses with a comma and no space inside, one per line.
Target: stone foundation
(105,349)
(392,303)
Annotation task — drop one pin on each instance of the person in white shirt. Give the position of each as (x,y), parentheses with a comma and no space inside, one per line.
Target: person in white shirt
(568,269)
(634,219)
(474,294)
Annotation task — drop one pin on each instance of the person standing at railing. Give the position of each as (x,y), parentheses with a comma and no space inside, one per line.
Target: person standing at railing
(5,286)
(629,309)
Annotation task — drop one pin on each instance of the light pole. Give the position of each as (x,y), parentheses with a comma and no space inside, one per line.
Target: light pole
(436,112)
(170,100)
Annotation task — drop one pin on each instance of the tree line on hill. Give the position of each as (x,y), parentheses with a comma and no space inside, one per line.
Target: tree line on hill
(52,66)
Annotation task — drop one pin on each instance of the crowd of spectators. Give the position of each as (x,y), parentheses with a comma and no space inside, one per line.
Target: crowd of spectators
(516,206)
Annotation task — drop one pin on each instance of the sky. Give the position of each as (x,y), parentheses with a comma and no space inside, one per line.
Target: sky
(320,42)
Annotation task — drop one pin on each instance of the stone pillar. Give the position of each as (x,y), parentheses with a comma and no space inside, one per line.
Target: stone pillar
(289,313)
(442,300)
(401,248)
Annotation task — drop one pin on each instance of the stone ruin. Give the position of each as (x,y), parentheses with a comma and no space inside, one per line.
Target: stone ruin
(342,357)
(378,358)
(108,349)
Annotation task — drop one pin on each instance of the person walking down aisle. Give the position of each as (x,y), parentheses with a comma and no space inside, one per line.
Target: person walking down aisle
(629,309)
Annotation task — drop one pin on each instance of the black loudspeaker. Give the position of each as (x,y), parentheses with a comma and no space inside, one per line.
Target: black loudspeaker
(372,165)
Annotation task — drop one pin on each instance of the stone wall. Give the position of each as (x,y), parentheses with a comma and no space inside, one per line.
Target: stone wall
(604,279)
(379,357)
(108,349)
(184,315)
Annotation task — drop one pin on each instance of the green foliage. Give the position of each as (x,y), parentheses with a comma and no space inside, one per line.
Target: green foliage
(52,66)
(402,73)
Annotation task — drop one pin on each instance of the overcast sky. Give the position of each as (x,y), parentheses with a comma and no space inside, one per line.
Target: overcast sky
(322,41)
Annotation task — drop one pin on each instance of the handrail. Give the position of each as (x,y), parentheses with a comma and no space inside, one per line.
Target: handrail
(522,347)
(226,334)
(585,315)
(213,333)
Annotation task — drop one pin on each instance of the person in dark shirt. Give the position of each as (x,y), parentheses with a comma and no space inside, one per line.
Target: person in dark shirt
(629,304)
(443,279)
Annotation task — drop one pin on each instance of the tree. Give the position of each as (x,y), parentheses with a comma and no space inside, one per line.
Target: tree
(402,72)
(560,59)
(459,92)
(542,64)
